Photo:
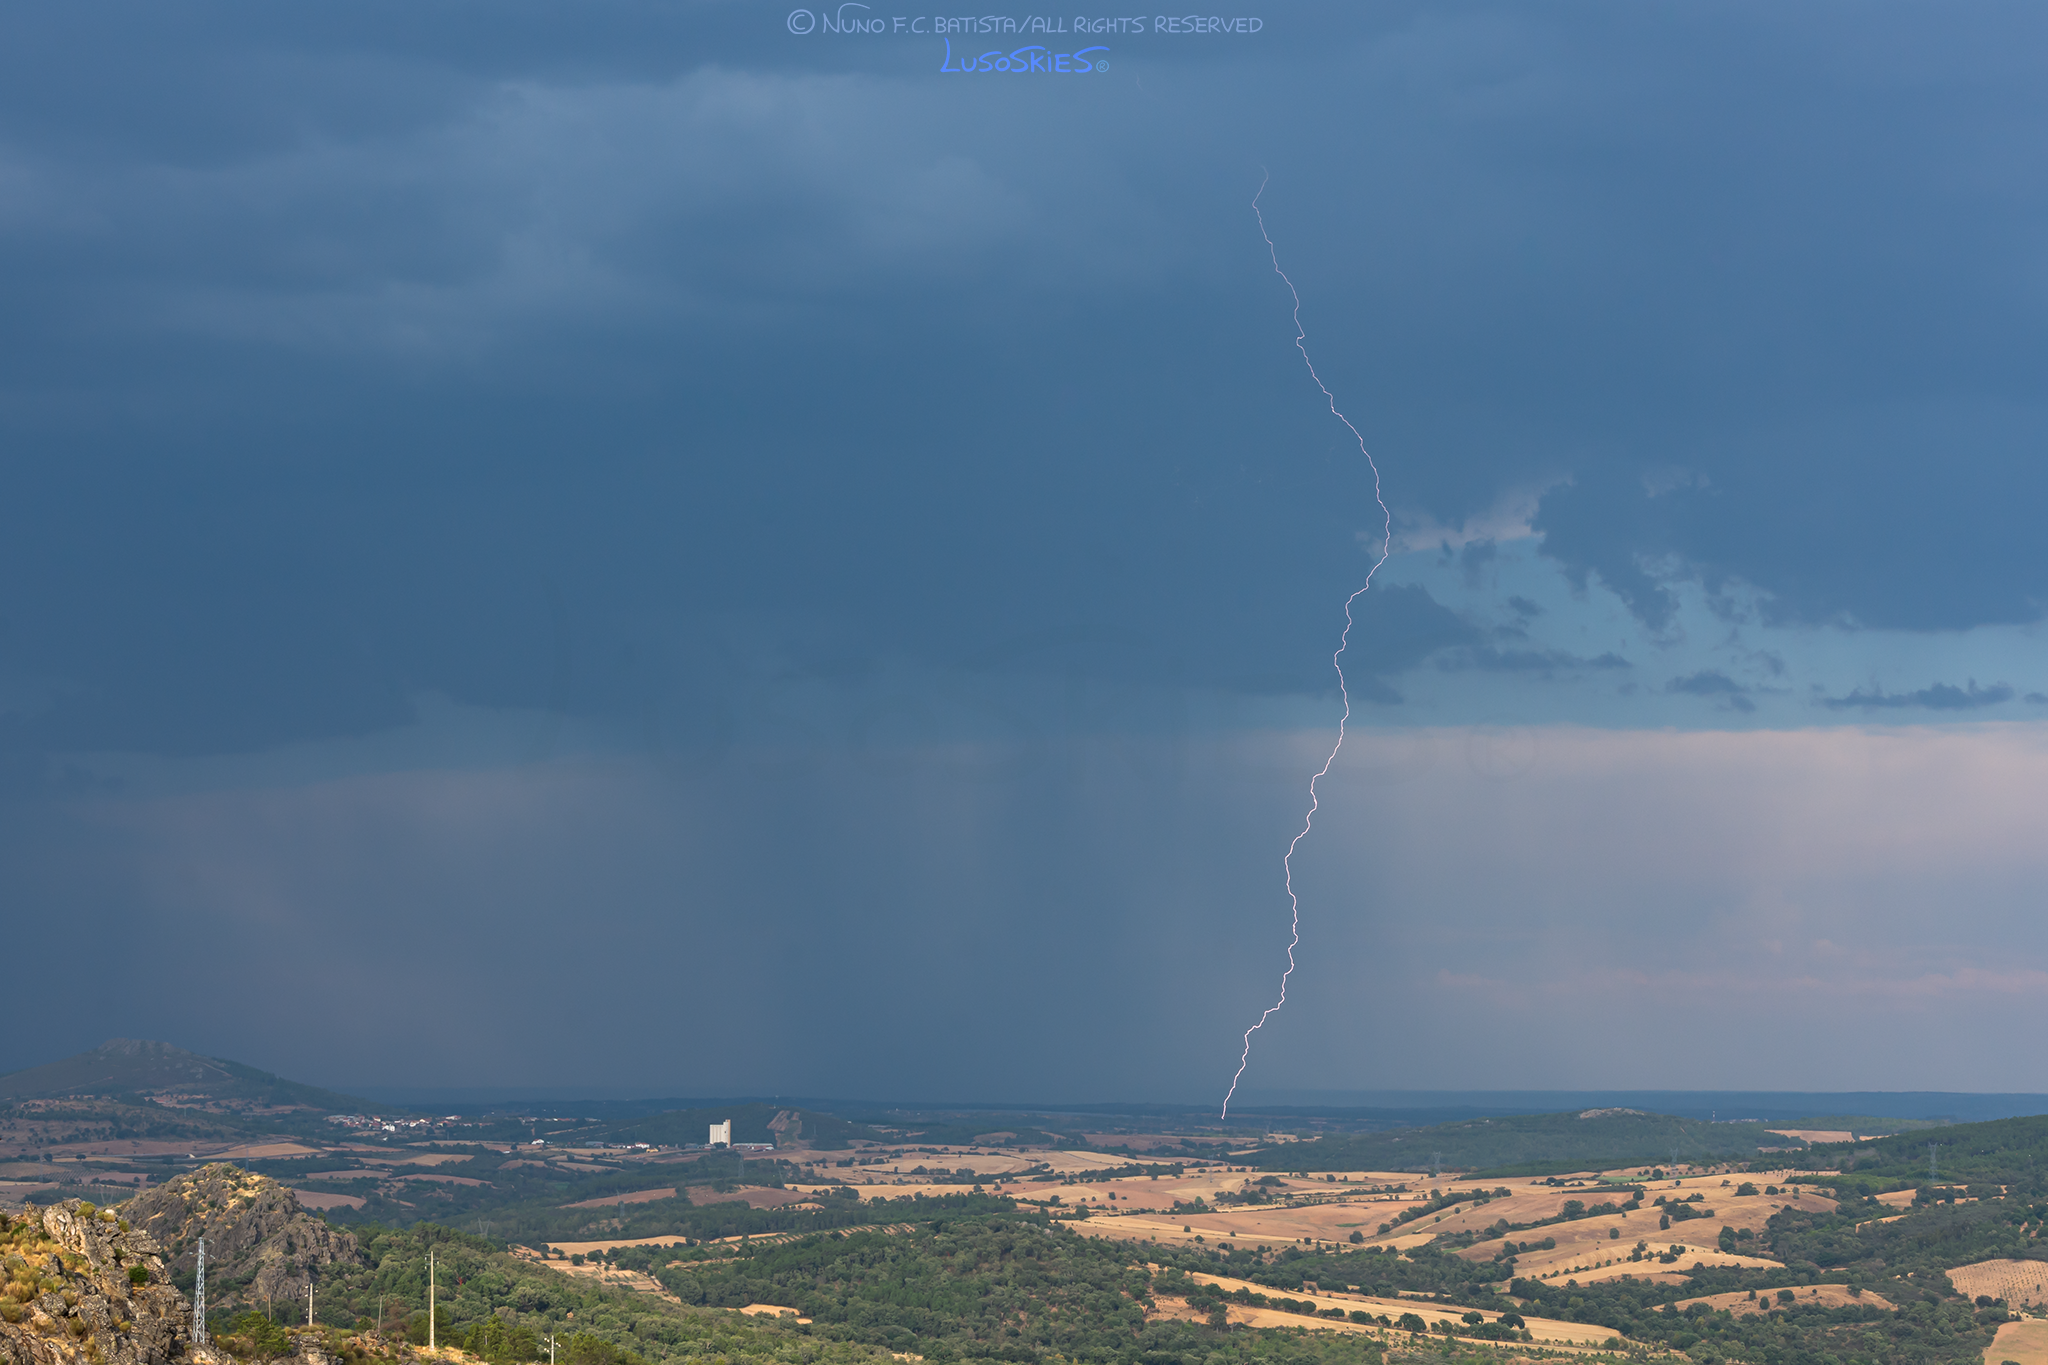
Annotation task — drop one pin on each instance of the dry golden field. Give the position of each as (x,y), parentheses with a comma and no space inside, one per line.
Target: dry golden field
(613,1200)
(266,1151)
(1547,1331)
(771,1310)
(1806,1295)
(2019,1283)
(2025,1343)
(313,1200)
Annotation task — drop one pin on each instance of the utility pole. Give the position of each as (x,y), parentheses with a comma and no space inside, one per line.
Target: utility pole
(199,1299)
(430,1298)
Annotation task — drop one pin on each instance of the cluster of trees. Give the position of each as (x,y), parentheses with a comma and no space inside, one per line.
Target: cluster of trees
(524,1203)
(1731,1239)
(504,1308)
(1929,1330)
(1998,1152)
(977,1279)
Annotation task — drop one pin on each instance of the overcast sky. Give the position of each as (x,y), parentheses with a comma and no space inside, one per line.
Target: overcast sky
(703,547)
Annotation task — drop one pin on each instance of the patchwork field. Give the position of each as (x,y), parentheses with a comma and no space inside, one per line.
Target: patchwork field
(1319,1212)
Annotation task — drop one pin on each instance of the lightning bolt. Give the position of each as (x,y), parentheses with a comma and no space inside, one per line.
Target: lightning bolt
(1336,659)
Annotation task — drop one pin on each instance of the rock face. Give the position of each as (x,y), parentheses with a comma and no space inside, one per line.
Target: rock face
(260,1245)
(72,1295)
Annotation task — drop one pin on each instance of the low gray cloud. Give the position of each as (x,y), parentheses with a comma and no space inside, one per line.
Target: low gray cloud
(1487,659)
(1712,683)
(1939,697)
(1706,683)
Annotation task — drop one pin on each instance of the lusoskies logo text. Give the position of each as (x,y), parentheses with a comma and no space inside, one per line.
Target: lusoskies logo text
(1026,60)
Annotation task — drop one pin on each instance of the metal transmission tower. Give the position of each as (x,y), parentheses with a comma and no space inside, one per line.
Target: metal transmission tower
(199,1299)
(1436,1165)
(430,1298)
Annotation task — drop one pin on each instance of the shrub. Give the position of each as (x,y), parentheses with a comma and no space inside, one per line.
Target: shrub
(138,1274)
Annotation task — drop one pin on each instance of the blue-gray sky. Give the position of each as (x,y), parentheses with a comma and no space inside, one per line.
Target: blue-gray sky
(628,544)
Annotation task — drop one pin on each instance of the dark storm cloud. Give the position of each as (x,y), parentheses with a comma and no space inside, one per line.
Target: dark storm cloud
(473,472)
(1939,697)
(389,350)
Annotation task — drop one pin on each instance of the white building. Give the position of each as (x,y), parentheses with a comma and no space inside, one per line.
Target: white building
(721,1135)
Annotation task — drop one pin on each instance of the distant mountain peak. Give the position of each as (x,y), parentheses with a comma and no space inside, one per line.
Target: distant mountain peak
(145,1068)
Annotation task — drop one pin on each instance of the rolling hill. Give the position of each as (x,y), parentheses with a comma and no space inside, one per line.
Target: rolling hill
(129,1068)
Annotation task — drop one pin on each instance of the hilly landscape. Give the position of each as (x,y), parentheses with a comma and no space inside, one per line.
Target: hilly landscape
(876,1232)
(137,1071)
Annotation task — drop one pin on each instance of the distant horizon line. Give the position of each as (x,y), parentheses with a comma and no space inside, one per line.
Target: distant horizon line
(1781,1104)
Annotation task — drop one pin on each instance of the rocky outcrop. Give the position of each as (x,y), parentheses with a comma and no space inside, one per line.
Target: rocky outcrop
(83,1288)
(260,1245)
